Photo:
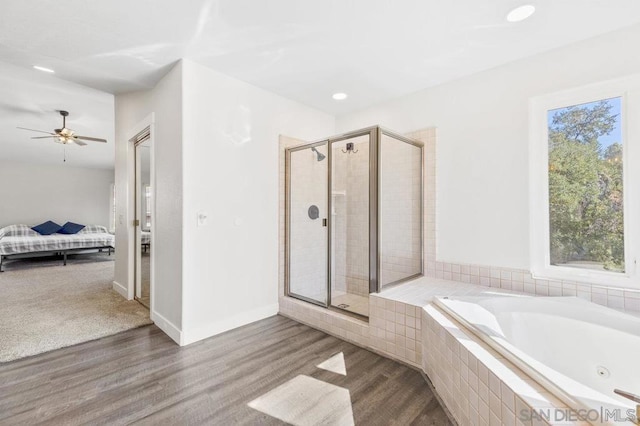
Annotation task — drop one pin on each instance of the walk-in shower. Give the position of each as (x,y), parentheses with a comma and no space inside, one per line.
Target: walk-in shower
(354,221)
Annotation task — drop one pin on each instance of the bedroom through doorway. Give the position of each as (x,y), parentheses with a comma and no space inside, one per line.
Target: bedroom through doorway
(143,221)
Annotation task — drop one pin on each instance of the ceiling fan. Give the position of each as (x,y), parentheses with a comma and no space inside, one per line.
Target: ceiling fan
(65,136)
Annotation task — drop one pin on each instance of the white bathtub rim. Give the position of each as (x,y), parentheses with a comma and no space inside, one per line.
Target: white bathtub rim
(615,316)
(534,369)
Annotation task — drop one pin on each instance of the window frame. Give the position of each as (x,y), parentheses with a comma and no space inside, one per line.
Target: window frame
(628,90)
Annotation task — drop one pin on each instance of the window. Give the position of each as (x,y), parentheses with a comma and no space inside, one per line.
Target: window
(586,217)
(583,194)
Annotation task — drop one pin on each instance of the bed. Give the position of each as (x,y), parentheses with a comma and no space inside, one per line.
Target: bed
(20,241)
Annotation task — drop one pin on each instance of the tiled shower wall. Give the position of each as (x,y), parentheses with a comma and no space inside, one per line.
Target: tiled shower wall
(400,221)
(393,262)
(350,192)
(340,225)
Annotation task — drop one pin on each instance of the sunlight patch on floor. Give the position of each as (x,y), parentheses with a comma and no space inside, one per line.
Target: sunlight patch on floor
(335,364)
(304,401)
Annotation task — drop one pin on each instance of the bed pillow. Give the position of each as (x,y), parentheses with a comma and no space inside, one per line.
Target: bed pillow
(47,228)
(70,228)
(94,229)
(18,231)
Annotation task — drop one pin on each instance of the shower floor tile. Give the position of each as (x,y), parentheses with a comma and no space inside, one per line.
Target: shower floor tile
(350,302)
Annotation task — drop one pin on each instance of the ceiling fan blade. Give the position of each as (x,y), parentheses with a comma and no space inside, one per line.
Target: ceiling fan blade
(34,130)
(43,137)
(87,138)
(80,143)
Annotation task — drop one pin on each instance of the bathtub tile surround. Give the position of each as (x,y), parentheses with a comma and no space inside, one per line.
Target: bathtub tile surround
(522,281)
(478,385)
(394,328)
(570,346)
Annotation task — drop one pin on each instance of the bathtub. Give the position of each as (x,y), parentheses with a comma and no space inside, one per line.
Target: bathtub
(576,349)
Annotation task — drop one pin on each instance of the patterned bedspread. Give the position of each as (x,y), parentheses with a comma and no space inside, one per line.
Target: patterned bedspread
(32,243)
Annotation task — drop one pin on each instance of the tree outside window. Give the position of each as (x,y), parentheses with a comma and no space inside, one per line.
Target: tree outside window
(586,222)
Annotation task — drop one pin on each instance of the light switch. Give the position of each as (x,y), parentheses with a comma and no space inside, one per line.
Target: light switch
(120,219)
(202,219)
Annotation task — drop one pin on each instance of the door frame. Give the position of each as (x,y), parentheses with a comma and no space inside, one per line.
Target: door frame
(132,231)
(139,202)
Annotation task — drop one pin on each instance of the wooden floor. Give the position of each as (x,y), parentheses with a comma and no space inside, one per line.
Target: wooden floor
(141,376)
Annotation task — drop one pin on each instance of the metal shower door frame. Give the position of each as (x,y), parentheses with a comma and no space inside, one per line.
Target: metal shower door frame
(375,134)
(287,227)
(372,132)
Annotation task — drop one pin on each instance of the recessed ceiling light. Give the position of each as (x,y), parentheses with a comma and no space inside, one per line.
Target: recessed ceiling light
(339,96)
(39,68)
(521,13)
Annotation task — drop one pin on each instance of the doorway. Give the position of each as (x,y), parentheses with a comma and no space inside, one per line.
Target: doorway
(143,220)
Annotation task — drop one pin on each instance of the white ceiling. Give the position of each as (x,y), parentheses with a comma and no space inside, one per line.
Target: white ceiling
(305,50)
(373,50)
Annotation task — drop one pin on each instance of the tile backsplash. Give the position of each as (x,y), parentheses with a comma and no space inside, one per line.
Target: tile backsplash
(521,281)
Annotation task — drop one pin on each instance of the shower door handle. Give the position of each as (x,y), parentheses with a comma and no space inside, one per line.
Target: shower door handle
(324,222)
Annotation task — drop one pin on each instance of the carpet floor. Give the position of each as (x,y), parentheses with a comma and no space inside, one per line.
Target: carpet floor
(49,306)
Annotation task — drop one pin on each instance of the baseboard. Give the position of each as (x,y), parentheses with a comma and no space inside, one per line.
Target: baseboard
(121,290)
(168,327)
(244,318)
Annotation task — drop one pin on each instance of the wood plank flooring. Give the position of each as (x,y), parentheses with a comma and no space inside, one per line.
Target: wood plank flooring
(141,376)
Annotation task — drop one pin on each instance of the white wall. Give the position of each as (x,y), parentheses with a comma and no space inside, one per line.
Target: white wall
(482,143)
(34,193)
(165,102)
(230,157)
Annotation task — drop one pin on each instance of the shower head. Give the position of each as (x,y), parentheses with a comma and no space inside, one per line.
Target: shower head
(321,156)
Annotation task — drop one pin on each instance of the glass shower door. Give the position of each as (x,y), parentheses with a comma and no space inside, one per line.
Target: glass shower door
(307,222)
(350,226)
